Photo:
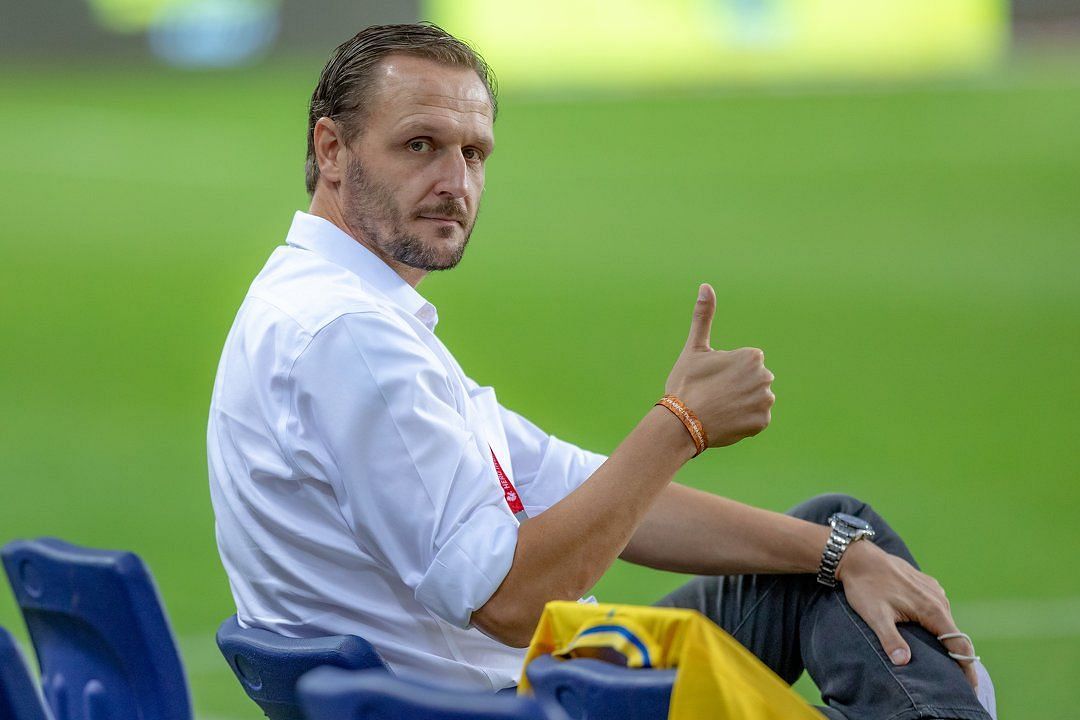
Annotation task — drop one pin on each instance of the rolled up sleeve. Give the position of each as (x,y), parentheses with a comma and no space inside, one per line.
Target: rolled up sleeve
(374,413)
(468,568)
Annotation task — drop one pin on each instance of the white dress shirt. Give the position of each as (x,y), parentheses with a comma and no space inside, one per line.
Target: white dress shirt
(351,466)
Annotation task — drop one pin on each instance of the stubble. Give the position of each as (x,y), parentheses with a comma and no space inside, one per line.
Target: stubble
(373,212)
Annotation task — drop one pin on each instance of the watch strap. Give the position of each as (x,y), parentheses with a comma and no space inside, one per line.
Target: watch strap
(840,539)
(835,547)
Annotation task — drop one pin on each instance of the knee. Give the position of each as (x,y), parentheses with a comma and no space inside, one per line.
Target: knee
(818,509)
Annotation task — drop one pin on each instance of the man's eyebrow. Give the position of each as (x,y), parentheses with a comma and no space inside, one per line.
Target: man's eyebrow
(420,127)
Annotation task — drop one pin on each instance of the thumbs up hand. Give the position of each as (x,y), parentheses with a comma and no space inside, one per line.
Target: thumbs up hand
(728,390)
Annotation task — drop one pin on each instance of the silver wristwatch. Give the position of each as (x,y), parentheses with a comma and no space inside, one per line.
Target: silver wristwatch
(846,529)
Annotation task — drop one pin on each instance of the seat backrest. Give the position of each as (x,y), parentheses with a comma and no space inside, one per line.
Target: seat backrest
(20,698)
(595,690)
(102,639)
(335,694)
(268,665)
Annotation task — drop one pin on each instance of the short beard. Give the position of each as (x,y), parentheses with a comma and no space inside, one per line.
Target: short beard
(372,212)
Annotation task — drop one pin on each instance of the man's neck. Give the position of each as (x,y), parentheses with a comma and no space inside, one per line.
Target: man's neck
(329,209)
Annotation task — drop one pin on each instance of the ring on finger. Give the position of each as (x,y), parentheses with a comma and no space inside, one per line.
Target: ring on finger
(959,657)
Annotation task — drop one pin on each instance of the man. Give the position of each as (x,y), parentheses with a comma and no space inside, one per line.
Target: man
(364,484)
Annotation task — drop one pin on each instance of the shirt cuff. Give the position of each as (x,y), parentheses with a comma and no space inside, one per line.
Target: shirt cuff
(469,568)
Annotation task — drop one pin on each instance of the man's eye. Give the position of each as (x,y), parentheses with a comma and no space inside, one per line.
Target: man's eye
(472,154)
(420,146)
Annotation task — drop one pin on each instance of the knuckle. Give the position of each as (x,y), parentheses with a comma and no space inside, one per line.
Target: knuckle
(936,591)
(929,601)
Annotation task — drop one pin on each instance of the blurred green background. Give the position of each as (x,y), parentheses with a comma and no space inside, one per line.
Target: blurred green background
(906,255)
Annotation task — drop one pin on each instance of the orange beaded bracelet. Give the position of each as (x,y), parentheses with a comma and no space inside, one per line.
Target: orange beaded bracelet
(689,419)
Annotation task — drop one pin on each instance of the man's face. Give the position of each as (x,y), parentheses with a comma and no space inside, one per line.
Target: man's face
(415,173)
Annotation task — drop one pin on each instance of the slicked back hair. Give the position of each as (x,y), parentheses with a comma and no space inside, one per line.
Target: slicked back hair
(346,84)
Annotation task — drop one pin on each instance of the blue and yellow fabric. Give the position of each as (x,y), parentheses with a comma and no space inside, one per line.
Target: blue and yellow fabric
(717,677)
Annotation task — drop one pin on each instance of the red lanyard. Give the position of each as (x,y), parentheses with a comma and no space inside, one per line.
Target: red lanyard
(509,491)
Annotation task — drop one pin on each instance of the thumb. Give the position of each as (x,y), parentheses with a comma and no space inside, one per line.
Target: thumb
(701,325)
(898,651)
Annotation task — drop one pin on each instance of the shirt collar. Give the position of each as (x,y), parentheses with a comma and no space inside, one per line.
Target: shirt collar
(324,238)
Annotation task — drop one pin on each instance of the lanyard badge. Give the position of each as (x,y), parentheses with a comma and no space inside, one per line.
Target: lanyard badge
(509,491)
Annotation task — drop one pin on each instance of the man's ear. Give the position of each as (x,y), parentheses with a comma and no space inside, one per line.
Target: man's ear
(330,151)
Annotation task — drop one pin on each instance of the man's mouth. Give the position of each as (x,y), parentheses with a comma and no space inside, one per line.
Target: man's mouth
(444,219)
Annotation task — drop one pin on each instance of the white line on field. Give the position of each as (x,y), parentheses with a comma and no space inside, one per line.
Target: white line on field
(200,654)
(1020,618)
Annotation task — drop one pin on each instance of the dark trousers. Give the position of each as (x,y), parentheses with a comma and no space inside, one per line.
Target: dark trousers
(792,623)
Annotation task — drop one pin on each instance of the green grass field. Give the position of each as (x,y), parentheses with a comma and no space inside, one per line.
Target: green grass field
(907,257)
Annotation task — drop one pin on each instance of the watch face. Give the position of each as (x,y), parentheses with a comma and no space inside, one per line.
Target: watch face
(849,520)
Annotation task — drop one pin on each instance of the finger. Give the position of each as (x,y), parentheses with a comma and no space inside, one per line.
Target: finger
(891,641)
(960,646)
(701,326)
(969,673)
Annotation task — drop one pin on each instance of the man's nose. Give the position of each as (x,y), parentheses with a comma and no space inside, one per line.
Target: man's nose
(453,178)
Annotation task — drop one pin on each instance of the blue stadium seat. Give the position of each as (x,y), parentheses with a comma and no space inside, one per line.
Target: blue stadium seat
(596,690)
(335,694)
(268,665)
(20,698)
(103,641)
